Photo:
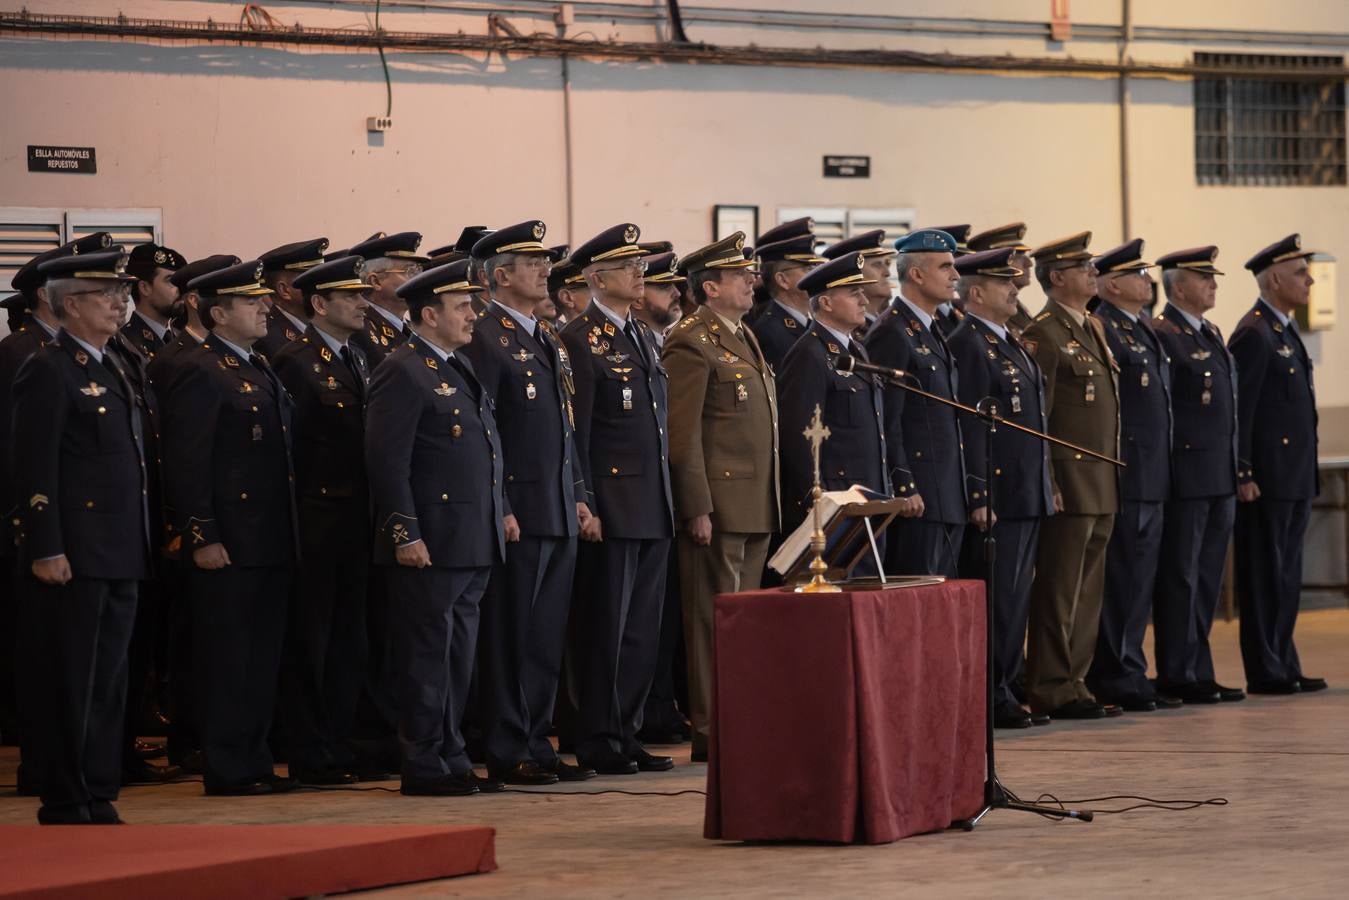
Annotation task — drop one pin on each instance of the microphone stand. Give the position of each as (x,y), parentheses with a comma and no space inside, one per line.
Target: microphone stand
(996,796)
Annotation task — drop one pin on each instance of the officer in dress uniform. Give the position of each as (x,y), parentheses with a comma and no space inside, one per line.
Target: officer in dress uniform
(1277,476)
(281,266)
(803,227)
(723,454)
(436,475)
(660,306)
(922,436)
(1200,510)
(850,403)
(994,364)
(79,465)
(1119,669)
(787,314)
(325,653)
(621,436)
(229,484)
(949,313)
(390,260)
(156,297)
(1082,406)
(527,374)
(878,255)
(1011,235)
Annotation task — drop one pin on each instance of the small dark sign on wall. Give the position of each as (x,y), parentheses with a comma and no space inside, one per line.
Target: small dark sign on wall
(62,159)
(847,167)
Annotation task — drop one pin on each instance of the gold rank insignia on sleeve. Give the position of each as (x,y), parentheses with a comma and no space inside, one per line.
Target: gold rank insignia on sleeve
(93,390)
(37,501)
(197,536)
(400,534)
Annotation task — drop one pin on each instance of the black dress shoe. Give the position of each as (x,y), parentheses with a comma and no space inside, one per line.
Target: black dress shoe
(609,762)
(444,786)
(1008,716)
(1274,687)
(1130,702)
(1307,684)
(151,749)
(486,784)
(567,772)
(189,762)
(526,772)
(1037,718)
(102,812)
(138,771)
(324,777)
(1112,710)
(1194,693)
(254,788)
(1079,709)
(1168,701)
(649,763)
(1225,694)
(281,785)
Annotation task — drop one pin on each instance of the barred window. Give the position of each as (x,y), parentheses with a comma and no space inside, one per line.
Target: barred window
(1269,130)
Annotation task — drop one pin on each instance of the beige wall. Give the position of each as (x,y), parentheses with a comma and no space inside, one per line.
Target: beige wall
(244,148)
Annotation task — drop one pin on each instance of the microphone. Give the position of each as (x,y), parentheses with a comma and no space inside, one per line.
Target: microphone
(846,363)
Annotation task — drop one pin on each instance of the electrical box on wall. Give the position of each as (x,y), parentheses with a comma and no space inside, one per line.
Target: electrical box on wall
(375,124)
(1319,313)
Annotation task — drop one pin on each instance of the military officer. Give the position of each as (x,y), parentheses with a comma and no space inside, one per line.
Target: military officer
(621,436)
(922,436)
(949,313)
(787,315)
(546,309)
(155,295)
(79,467)
(280,267)
(190,336)
(229,484)
(795,228)
(850,403)
(1201,507)
(660,306)
(1011,235)
(878,256)
(527,375)
(723,453)
(994,364)
(566,287)
(390,260)
(1119,668)
(1277,477)
(1082,406)
(436,475)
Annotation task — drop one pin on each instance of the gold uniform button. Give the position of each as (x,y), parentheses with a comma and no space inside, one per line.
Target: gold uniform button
(728,474)
(444,496)
(88,504)
(1077,456)
(243,495)
(102,410)
(323,490)
(997,471)
(613,470)
(1285,442)
(255,409)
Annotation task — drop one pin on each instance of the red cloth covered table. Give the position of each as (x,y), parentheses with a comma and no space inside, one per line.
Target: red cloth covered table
(851,717)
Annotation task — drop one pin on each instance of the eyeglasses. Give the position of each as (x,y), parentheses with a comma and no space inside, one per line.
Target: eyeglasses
(534,262)
(120,290)
(408,270)
(635,266)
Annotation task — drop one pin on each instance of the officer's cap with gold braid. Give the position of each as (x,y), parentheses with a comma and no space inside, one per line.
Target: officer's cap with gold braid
(787,230)
(564,274)
(242,280)
(1011,235)
(1065,252)
(800,249)
(145,258)
(525,237)
(663,268)
(296,257)
(451,278)
(104,265)
(345,274)
(559,252)
(618,242)
(868,243)
(27,279)
(1124,258)
(1288,248)
(402,245)
(845,271)
(184,276)
(470,235)
(991,263)
(1195,259)
(727,253)
(961,233)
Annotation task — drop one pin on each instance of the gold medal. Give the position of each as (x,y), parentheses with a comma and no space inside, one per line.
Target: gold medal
(530,392)
(627,399)
(456,431)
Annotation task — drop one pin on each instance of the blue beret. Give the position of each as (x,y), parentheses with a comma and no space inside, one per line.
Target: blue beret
(927,240)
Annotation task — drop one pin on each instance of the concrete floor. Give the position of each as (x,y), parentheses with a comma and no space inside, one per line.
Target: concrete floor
(1283,763)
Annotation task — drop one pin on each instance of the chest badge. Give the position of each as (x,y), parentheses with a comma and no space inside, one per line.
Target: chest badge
(445,390)
(332,383)
(523,356)
(1285,351)
(1143,380)
(627,399)
(1200,355)
(617,358)
(530,391)
(93,390)
(741,393)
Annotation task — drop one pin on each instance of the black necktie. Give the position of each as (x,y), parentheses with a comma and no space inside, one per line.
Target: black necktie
(350,360)
(631,330)
(541,338)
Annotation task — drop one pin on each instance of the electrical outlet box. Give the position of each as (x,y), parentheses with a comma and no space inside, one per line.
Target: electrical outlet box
(378,123)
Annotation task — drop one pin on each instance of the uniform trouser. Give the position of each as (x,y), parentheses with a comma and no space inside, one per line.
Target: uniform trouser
(325,650)
(184,710)
(1065,607)
(434,628)
(9,647)
(238,627)
(524,630)
(732,562)
(83,631)
(1195,535)
(921,547)
(145,661)
(377,714)
(1120,667)
(1268,562)
(662,702)
(618,630)
(1014,566)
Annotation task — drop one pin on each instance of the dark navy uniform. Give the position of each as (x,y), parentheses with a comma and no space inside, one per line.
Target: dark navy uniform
(923,441)
(138,333)
(326,642)
(281,331)
(144,264)
(229,480)
(380,337)
(1119,670)
(1276,443)
(621,408)
(778,330)
(776,326)
(997,366)
(1201,510)
(436,475)
(299,257)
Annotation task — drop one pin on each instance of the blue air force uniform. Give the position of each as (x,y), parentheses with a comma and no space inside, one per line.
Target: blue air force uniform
(776,326)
